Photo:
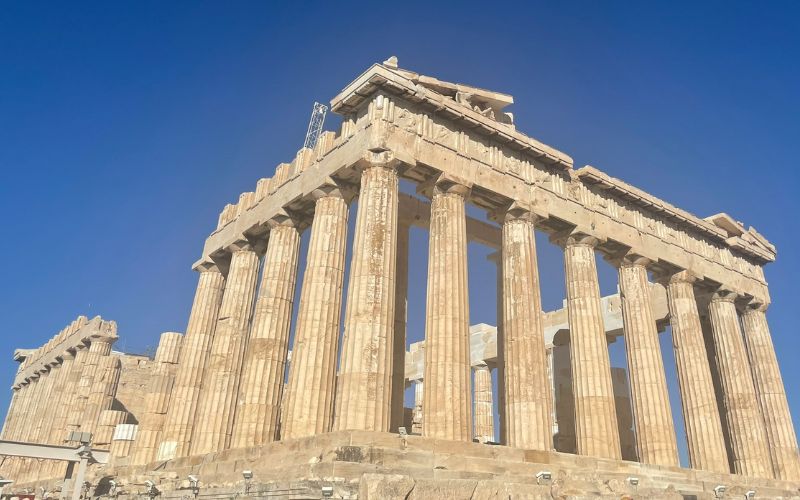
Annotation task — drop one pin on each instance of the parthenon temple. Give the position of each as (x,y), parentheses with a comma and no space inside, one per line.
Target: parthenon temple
(325,396)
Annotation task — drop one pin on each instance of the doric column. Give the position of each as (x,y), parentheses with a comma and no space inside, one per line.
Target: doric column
(701,418)
(497,259)
(745,424)
(258,414)
(23,405)
(41,433)
(12,413)
(179,423)
(447,412)
(484,403)
(217,407)
(104,388)
(416,416)
(364,384)
(596,428)
(34,403)
(64,416)
(35,419)
(771,394)
(99,348)
(400,321)
(308,407)
(156,401)
(528,398)
(652,418)
(62,394)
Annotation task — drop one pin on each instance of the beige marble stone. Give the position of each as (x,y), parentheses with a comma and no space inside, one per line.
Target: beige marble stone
(748,440)
(176,436)
(400,325)
(771,393)
(62,392)
(655,431)
(419,396)
(217,406)
(258,412)
(700,414)
(483,405)
(308,408)
(447,411)
(596,428)
(527,391)
(101,396)
(364,382)
(159,393)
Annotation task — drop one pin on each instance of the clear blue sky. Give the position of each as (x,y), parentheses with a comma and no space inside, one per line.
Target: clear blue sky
(125,127)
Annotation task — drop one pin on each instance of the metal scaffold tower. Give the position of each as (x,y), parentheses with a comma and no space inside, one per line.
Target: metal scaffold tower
(315,125)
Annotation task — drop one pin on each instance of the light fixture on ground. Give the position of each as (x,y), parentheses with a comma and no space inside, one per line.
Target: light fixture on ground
(750,494)
(402,431)
(633,481)
(151,490)
(327,491)
(543,476)
(194,482)
(247,475)
(719,491)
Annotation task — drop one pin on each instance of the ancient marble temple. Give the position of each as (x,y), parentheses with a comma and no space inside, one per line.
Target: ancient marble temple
(318,402)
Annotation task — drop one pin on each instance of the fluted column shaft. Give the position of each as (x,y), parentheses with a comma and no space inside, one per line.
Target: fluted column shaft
(258,414)
(484,405)
(309,401)
(447,412)
(771,394)
(700,414)
(416,417)
(101,397)
(11,415)
(364,386)
(156,401)
(217,407)
(97,349)
(64,417)
(528,395)
(26,427)
(745,424)
(652,418)
(596,428)
(62,393)
(179,422)
(400,322)
(41,421)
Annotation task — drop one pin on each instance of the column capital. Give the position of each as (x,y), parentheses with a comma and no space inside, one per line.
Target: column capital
(514,211)
(723,295)
(335,188)
(628,258)
(287,218)
(206,266)
(377,158)
(445,184)
(574,237)
(680,276)
(755,306)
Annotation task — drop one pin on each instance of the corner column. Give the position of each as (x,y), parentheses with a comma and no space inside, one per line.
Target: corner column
(771,394)
(528,394)
(596,428)
(655,431)
(364,387)
(704,436)
(447,412)
(176,436)
(745,424)
(308,408)
(215,413)
(258,413)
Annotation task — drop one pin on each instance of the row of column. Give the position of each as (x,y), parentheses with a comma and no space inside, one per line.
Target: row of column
(69,394)
(233,366)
